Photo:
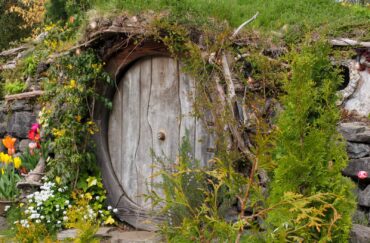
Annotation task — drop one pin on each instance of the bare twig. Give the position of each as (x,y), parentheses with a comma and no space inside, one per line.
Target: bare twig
(244,24)
(348,42)
(14,51)
(25,95)
(229,81)
(230,101)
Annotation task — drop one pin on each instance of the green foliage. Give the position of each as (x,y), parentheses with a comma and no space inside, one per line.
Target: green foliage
(195,199)
(309,152)
(29,161)
(88,212)
(68,116)
(47,206)
(10,23)
(298,17)
(60,10)
(8,183)
(55,207)
(15,87)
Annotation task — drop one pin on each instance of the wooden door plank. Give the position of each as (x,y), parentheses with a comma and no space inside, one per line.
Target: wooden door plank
(164,107)
(187,99)
(130,134)
(115,131)
(143,158)
(205,141)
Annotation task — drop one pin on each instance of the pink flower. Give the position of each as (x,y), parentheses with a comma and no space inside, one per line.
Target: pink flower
(35,127)
(362,174)
(32,145)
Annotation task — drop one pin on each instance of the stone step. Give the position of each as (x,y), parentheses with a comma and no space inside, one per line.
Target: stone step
(115,235)
(358,150)
(360,234)
(358,132)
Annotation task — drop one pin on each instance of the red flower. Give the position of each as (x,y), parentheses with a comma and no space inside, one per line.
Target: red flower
(362,174)
(33,135)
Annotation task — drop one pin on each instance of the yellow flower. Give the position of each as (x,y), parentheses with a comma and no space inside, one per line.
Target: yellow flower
(109,220)
(88,196)
(57,180)
(92,129)
(5,158)
(17,162)
(58,133)
(72,84)
(78,118)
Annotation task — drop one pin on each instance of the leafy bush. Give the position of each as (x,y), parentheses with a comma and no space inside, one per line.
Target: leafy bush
(11,26)
(309,152)
(15,87)
(68,117)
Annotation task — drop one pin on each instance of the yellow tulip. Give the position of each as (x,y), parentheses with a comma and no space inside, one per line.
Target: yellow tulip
(57,180)
(5,158)
(17,162)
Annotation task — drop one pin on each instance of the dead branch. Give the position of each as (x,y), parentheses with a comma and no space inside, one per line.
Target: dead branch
(243,24)
(348,42)
(227,73)
(230,99)
(25,95)
(14,51)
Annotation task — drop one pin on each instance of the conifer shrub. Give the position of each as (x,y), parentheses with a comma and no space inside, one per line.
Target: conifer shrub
(309,152)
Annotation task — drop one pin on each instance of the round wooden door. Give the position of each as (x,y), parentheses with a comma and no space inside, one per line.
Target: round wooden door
(152,110)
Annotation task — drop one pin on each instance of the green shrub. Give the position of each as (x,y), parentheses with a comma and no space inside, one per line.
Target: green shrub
(15,87)
(309,152)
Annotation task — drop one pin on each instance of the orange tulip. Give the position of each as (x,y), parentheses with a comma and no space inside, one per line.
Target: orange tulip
(9,142)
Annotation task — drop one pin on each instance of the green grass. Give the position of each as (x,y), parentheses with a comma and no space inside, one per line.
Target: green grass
(299,15)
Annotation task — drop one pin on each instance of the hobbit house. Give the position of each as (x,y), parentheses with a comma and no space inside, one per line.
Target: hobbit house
(155,105)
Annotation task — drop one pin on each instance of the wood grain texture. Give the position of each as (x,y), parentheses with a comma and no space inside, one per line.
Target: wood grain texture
(153,97)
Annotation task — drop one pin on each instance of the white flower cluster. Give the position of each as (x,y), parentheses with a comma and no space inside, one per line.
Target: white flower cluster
(23,222)
(91,214)
(43,195)
(36,200)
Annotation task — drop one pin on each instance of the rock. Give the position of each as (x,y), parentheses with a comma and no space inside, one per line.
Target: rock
(3,223)
(360,234)
(20,123)
(358,132)
(67,234)
(364,197)
(133,237)
(23,145)
(360,100)
(20,105)
(355,165)
(114,235)
(358,150)
(360,217)
(104,231)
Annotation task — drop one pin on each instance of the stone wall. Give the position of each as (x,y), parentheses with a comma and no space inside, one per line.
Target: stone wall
(357,135)
(16,118)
